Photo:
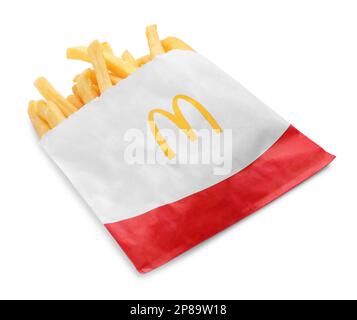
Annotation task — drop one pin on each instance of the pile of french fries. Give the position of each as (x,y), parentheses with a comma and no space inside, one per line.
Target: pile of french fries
(106,70)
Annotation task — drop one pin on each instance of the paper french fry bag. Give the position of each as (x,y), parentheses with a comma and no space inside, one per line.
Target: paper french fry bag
(176,153)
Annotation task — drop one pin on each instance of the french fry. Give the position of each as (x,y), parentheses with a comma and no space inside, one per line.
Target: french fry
(89,73)
(96,88)
(106,47)
(154,42)
(75,100)
(143,60)
(100,68)
(76,91)
(92,76)
(85,88)
(78,53)
(51,94)
(108,71)
(129,58)
(50,112)
(172,43)
(115,80)
(42,110)
(76,78)
(40,125)
(81,52)
(116,65)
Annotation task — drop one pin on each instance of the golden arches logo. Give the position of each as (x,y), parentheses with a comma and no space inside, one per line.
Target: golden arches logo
(180,121)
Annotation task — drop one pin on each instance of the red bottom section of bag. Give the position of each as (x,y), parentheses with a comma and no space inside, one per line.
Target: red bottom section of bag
(156,237)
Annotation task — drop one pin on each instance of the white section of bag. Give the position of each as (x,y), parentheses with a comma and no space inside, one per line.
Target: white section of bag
(89,146)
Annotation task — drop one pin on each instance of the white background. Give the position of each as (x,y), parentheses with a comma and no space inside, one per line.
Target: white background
(299,57)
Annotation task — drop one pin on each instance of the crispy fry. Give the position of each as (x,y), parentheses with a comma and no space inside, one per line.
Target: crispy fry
(129,58)
(143,60)
(171,43)
(78,53)
(106,47)
(50,112)
(85,88)
(75,100)
(40,125)
(89,73)
(96,88)
(81,52)
(154,41)
(76,91)
(116,65)
(108,70)
(115,80)
(100,68)
(75,79)
(51,94)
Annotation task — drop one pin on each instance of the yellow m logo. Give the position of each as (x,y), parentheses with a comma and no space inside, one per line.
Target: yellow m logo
(180,121)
